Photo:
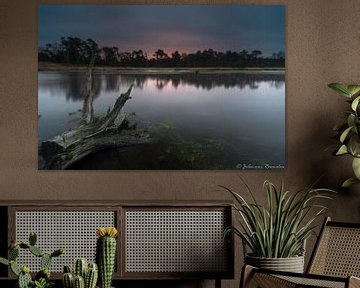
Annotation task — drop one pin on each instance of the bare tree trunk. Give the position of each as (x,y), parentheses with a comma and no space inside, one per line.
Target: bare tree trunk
(91,135)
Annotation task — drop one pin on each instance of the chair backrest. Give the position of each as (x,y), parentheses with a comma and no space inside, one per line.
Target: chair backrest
(337,251)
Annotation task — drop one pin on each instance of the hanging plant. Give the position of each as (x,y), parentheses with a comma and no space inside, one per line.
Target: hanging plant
(348,132)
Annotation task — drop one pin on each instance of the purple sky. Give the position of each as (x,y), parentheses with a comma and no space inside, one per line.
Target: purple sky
(186,28)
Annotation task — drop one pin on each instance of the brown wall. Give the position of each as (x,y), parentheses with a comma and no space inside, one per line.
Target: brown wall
(322,46)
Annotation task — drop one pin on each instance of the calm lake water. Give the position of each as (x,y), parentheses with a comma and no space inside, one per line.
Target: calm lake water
(227,121)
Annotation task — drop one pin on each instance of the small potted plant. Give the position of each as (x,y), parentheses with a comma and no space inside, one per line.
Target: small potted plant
(84,274)
(348,132)
(276,233)
(42,278)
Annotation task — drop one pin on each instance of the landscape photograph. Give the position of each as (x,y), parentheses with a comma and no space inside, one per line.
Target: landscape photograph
(161,87)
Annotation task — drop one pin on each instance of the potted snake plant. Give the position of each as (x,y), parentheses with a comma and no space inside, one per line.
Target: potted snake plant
(274,234)
(348,132)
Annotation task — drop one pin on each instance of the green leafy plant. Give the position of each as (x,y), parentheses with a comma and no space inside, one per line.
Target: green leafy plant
(42,278)
(279,229)
(43,283)
(348,132)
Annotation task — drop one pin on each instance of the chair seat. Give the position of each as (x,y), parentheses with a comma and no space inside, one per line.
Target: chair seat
(314,282)
(268,279)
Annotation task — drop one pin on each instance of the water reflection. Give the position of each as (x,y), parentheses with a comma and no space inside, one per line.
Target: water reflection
(210,81)
(201,121)
(72,84)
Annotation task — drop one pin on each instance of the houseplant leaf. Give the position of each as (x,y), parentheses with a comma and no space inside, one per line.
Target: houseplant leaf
(356,167)
(342,150)
(348,134)
(355,103)
(345,134)
(340,88)
(351,120)
(353,89)
(279,228)
(349,182)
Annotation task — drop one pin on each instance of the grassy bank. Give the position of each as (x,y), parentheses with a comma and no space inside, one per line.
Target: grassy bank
(47,66)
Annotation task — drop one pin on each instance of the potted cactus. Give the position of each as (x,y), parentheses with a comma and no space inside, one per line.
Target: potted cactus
(84,275)
(106,254)
(42,278)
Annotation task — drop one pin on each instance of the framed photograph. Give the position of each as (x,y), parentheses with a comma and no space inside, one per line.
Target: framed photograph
(161,87)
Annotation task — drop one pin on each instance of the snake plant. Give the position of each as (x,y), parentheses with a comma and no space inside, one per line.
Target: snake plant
(348,132)
(279,228)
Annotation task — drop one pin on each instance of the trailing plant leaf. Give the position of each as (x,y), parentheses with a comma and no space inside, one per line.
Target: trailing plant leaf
(353,89)
(342,150)
(356,167)
(349,131)
(340,88)
(354,145)
(345,134)
(349,182)
(340,127)
(351,120)
(355,103)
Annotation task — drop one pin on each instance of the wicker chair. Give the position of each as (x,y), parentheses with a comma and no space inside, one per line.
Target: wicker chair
(335,262)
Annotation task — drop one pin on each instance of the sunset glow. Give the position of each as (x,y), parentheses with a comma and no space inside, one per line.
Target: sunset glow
(183,28)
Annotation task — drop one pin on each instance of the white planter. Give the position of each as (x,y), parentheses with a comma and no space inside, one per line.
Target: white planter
(291,264)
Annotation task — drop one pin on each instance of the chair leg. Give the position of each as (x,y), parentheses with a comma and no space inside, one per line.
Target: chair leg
(217,283)
(246,274)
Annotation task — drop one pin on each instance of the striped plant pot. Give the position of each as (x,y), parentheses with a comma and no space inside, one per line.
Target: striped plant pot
(291,264)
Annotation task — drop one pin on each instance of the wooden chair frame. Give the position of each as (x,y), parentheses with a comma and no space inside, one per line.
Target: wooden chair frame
(255,277)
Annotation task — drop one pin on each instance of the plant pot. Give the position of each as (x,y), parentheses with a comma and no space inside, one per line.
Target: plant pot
(291,264)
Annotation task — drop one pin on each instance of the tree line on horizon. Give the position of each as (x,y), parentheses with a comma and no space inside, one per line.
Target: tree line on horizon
(74,50)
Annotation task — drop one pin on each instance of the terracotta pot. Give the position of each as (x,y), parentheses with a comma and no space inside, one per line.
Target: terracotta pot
(291,264)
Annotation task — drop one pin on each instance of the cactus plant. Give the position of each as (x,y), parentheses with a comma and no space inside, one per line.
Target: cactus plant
(106,254)
(45,261)
(14,268)
(84,274)
(13,253)
(42,278)
(79,282)
(91,276)
(36,251)
(68,280)
(24,277)
(32,238)
(80,268)
(43,274)
(4,261)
